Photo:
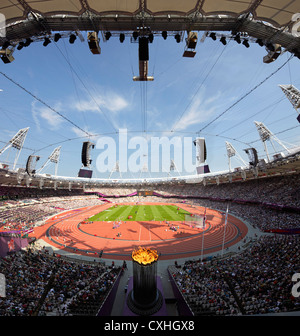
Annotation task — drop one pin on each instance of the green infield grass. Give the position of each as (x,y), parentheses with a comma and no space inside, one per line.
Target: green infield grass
(141,213)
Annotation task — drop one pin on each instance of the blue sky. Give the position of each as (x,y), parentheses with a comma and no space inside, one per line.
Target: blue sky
(97,93)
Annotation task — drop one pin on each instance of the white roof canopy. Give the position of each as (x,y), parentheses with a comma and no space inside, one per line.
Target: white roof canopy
(276,12)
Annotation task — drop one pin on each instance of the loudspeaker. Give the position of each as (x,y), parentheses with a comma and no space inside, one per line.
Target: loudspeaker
(143,49)
(84,158)
(201,150)
(85,153)
(7,56)
(273,53)
(93,42)
(192,39)
(253,157)
(30,165)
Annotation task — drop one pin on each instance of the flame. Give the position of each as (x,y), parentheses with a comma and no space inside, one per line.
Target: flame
(144,255)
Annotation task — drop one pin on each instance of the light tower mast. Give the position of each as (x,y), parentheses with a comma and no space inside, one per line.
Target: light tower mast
(16,142)
(53,158)
(231,151)
(293,95)
(265,134)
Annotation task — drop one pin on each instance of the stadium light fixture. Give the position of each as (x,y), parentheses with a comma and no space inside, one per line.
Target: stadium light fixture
(57,36)
(151,37)
(20,45)
(164,34)
(237,39)
(223,40)
(260,42)
(46,41)
(72,38)
(5,45)
(246,43)
(213,36)
(107,35)
(135,35)
(177,38)
(122,37)
(28,42)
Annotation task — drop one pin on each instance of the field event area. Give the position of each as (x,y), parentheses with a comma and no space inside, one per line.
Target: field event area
(141,213)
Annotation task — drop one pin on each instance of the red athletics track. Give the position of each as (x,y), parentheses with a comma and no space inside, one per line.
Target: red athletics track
(65,232)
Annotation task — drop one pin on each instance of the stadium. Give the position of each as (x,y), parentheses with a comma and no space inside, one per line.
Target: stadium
(221,240)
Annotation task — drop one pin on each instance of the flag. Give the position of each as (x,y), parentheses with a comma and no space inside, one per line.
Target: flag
(11,245)
(225,229)
(204,219)
(226,215)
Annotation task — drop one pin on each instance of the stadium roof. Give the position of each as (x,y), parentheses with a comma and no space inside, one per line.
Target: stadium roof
(272,21)
(278,13)
(269,19)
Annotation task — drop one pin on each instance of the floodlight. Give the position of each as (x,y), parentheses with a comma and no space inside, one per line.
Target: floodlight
(46,41)
(135,35)
(5,45)
(20,46)
(122,37)
(213,36)
(237,39)
(57,36)
(164,34)
(223,40)
(107,35)
(246,43)
(28,42)
(260,42)
(72,38)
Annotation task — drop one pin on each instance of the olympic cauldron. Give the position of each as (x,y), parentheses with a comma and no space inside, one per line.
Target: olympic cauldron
(144,298)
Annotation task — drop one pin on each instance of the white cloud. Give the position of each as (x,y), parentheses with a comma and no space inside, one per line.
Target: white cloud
(108,100)
(43,112)
(199,111)
(35,114)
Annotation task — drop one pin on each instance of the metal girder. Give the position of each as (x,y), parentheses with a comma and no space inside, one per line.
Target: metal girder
(39,27)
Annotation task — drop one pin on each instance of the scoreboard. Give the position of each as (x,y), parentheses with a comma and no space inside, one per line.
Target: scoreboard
(144,192)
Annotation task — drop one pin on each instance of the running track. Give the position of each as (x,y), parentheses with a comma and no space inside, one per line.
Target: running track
(67,232)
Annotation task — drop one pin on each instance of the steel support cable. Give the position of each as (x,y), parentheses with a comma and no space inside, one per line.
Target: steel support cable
(214,135)
(72,139)
(273,122)
(280,132)
(42,102)
(145,106)
(246,95)
(252,115)
(182,114)
(9,112)
(142,115)
(74,82)
(143,86)
(94,100)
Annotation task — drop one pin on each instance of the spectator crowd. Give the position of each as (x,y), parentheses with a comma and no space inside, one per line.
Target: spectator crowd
(71,285)
(257,281)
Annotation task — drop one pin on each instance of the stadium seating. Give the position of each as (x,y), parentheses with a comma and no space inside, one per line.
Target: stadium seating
(256,281)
